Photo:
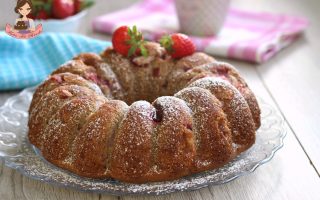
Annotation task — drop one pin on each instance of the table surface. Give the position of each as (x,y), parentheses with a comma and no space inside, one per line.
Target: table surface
(290,82)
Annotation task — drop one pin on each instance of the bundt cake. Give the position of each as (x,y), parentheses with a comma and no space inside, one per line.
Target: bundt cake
(142,119)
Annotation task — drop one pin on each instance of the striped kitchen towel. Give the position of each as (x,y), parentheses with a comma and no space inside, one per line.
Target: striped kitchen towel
(25,63)
(246,35)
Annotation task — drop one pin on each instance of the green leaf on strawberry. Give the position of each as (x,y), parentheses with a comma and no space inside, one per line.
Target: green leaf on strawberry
(167,43)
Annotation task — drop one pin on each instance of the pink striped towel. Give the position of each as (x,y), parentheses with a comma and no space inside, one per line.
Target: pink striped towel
(246,35)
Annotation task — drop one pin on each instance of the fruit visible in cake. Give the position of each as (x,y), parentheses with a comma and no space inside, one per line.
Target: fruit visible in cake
(178,45)
(128,41)
(101,116)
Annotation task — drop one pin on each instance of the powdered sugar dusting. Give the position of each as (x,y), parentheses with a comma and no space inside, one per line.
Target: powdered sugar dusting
(29,161)
(140,132)
(235,107)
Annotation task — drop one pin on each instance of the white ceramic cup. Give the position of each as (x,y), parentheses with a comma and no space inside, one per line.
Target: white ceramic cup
(201,17)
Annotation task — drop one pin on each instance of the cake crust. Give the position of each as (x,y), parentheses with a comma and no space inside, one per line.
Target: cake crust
(142,119)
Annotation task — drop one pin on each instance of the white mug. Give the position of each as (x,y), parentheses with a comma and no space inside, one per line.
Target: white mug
(201,17)
(7,13)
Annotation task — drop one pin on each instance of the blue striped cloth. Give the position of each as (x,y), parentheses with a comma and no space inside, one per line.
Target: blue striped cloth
(25,63)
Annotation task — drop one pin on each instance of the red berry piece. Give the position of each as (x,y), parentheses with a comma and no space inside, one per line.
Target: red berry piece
(63,8)
(42,15)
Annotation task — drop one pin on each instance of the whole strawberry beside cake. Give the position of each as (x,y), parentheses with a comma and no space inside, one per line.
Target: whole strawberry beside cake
(143,111)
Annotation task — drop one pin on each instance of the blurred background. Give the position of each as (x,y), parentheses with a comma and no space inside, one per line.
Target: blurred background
(102,7)
(287,78)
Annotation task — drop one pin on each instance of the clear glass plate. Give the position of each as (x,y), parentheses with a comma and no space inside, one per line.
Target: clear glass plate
(19,154)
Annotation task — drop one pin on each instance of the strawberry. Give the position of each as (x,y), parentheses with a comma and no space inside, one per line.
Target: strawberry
(42,15)
(41,9)
(80,5)
(127,41)
(31,16)
(62,8)
(178,45)
(77,5)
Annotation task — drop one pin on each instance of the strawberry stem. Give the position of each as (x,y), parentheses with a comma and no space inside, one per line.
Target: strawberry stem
(167,43)
(144,51)
(136,42)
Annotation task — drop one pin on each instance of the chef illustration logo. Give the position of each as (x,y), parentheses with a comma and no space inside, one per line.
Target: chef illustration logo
(24,27)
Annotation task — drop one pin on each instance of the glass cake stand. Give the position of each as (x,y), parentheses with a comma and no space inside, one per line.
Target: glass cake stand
(19,154)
